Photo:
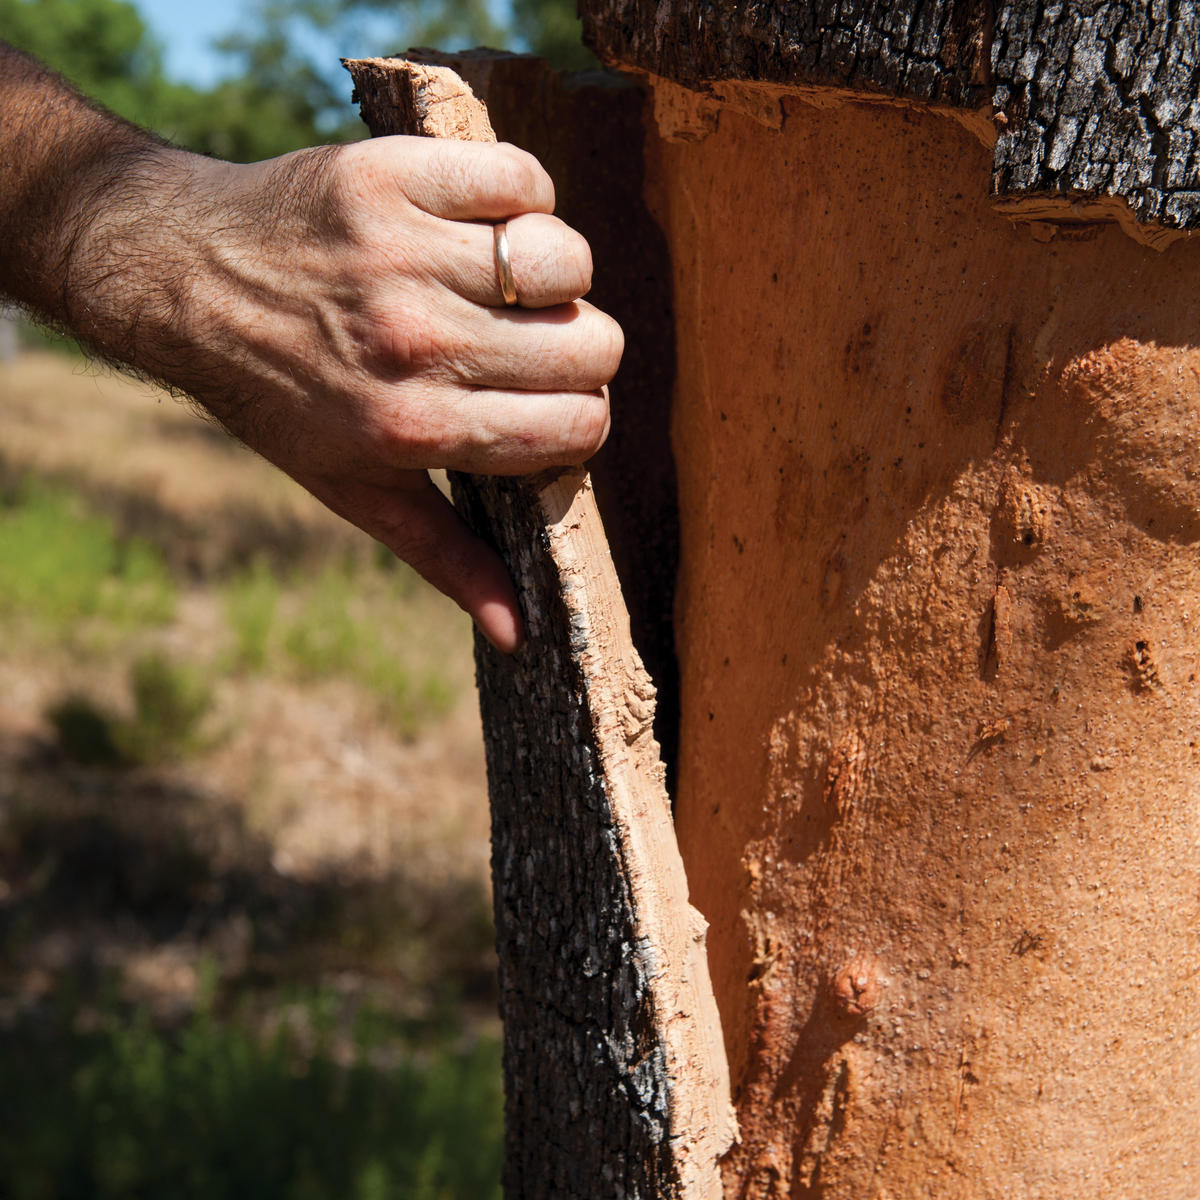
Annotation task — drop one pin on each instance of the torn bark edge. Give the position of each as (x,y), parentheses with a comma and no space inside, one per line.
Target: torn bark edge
(687,114)
(620,699)
(434,101)
(1048,215)
(690,114)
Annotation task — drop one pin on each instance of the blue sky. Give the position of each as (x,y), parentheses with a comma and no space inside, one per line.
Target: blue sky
(185,28)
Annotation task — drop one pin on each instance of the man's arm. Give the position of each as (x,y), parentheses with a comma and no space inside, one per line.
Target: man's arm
(337,309)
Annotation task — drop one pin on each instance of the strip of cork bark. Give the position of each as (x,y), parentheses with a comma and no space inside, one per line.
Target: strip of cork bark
(621,700)
(581,818)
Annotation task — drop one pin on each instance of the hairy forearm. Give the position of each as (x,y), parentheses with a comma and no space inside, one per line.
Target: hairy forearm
(143,251)
(101,232)
(337,308)
(59,160)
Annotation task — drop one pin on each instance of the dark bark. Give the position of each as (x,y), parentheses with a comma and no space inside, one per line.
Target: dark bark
(1098,100)
(586,1104)
(935,51)
(1101,100)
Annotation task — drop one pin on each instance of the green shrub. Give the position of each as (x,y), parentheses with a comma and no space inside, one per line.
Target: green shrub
(170,702)
(353,624)
(351,621)
(216,1112)
(85,732)
(323,638)
(60,564)
(251,601)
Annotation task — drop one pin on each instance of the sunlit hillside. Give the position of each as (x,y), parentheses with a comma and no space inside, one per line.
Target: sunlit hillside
(242,811)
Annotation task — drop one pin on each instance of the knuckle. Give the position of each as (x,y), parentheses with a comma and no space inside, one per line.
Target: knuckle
(452,176)
(565,260)
(521,178)
(391,442)
(589,425)
(552,262)
(359,161)
(362,177)
(401,340)
(577,257)
(395,444)
(606,344)
(409,436)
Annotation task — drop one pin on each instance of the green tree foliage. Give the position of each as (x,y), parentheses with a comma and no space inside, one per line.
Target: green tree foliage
(213,1112)
(283,88)
(270,46)
(104,47)
(552,29)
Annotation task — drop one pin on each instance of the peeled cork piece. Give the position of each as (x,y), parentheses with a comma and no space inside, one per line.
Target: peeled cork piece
(616,1078)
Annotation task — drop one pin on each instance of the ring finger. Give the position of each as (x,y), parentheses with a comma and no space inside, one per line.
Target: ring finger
(551,263)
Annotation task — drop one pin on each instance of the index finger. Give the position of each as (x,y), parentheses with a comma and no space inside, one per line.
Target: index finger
(469,181)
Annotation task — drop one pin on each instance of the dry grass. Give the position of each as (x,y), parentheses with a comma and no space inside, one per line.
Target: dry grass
(147,460)
(360,817)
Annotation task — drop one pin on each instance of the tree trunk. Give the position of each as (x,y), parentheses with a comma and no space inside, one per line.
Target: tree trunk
(938,769)
(1101,100)
(615,1073)
(1093,102)
(938,520)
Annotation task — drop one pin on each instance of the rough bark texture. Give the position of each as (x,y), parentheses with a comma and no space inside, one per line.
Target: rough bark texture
(1095,102)
(936,51)
(610,1093)
(616,1081)
(939,785)
(1101,99)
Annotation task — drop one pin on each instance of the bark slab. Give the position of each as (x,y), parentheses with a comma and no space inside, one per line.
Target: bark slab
(615,1074)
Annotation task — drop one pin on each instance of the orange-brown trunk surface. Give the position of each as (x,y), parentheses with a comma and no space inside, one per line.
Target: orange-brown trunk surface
(940,502)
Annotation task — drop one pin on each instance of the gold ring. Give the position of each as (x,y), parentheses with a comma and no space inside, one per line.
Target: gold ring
(508,289)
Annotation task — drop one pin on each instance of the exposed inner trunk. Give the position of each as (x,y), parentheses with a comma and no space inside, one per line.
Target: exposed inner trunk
(939,500)
(938,798)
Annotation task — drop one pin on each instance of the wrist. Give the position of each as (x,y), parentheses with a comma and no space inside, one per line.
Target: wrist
(126,269)
(58,156)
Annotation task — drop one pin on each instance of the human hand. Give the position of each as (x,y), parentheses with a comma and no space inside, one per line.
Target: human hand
(338,310)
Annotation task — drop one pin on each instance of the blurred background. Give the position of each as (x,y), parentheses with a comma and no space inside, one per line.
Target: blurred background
(245,922)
